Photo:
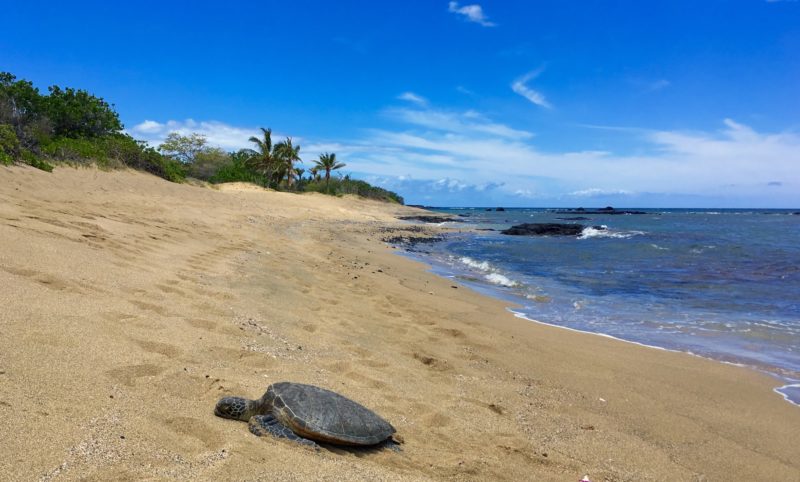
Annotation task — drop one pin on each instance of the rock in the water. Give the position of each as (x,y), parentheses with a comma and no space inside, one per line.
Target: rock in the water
(431,219)
(546,229)
(605,210)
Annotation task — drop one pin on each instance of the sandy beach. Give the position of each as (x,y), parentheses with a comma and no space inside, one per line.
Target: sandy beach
(130,305)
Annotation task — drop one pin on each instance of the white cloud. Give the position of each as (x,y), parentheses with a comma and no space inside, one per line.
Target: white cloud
(595,192)
(524,193)
(645,85)
(218,134)
(520,87)
(414,98)
(434,144)
(472,13)
(464,90)
(148,127)
(461,123)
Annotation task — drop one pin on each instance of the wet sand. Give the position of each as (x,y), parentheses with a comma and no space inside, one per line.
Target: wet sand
(130,305)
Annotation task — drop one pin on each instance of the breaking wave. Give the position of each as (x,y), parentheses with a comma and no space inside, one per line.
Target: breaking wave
(498,279)
(479,265)
(593,232)
(491,275)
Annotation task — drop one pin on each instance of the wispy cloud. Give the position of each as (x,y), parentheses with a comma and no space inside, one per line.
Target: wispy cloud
(520,87)
(457,123)
(657,85)
(649,85)
(598,192)
(435,190)
(464,90)
(412,97)
(472,13)
(436,144)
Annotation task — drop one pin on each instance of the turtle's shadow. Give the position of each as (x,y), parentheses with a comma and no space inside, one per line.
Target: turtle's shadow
(361,451)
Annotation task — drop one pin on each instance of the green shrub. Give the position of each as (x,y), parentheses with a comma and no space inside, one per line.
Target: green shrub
(342,186)
(77,150)
(77,113)
(237,171)
(30,158)
(207,163)
(9,144)
(114,151)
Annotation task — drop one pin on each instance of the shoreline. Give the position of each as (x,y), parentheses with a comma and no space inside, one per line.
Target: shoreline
(503,291)
(153,296)
(494,291)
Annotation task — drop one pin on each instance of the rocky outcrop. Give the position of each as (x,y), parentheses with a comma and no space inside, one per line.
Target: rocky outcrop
(431,219)
(546,229)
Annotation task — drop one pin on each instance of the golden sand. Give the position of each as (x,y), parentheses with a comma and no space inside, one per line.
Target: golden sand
(130,305)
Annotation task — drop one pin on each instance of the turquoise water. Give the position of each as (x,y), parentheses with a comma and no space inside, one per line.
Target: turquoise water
(716,283)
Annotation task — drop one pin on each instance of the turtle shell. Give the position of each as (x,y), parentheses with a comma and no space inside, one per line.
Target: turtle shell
(319,414)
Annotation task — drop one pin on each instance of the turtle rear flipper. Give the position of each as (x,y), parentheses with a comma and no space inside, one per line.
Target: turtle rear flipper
(267,424)
(391,444)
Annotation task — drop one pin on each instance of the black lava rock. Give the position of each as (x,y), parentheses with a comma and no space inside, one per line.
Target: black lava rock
(546,229)
(431,219)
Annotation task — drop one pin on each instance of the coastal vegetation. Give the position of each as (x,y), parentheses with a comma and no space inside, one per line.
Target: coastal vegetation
(71,126)
(327,163)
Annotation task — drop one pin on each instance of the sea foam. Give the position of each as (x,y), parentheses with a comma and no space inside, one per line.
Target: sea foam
(480,265)
(604,232)
(492,276)
(498,279)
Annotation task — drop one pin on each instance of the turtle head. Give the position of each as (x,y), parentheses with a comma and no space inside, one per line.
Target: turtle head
(236,408)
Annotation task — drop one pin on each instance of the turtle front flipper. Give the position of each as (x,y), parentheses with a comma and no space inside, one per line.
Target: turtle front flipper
(267,424)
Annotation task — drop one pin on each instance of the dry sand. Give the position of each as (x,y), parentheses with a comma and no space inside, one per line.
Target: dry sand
(130,305)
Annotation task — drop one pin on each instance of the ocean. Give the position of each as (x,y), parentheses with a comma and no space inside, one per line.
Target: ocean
(722,284)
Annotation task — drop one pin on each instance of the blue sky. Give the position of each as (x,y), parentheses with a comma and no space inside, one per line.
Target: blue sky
(496,103)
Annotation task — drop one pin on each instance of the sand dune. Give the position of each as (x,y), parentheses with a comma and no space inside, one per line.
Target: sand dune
(130,305)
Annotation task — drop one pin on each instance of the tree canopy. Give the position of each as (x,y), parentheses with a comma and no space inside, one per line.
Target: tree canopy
(183,148)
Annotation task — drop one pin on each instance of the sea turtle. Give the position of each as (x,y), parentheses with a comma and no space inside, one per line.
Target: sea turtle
(307,414)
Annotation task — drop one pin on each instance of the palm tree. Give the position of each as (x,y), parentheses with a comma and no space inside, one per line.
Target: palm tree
(299,171)
(327,162)
(263,158)
(287,154)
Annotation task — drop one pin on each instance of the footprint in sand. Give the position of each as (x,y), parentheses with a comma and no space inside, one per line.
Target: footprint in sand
(170,351)
(196,429)
(451,332)
(432,362)
(188,384)
(207,325)
(437,420)
(170,289)
(128,375)
(149,307)
(365,380)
